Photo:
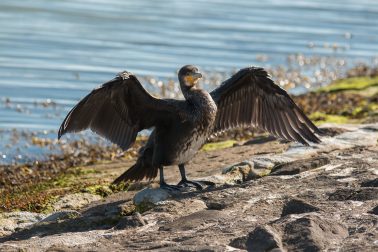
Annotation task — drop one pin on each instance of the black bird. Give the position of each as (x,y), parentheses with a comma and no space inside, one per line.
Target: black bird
(120,108)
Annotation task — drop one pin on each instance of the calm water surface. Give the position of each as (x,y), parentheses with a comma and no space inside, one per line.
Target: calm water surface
(59,50)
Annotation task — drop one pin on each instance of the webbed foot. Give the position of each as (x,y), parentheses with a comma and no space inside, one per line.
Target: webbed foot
(171,188)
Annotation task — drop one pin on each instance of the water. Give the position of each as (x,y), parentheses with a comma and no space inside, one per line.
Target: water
(59,50)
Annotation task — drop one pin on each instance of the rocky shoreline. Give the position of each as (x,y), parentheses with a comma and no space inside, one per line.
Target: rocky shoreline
(269,196)
(322,197)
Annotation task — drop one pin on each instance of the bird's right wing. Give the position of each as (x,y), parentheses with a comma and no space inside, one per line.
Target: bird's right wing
(118,110)
(251,98)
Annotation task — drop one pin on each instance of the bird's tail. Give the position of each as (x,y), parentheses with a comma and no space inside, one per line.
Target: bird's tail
(137,172)
(142,169)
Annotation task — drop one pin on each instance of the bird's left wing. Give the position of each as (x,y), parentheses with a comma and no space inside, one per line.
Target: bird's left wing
(118,110)
(251,98)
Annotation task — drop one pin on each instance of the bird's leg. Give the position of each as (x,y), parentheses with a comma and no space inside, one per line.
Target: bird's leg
(164,185)
(197,184)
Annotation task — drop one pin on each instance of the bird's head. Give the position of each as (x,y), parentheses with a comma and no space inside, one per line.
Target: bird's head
(189,76)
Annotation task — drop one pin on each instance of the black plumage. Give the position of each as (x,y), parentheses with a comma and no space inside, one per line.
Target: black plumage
(120,108)
(250,98)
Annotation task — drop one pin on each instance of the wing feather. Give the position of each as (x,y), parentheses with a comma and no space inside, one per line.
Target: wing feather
(251,98)
(118,110)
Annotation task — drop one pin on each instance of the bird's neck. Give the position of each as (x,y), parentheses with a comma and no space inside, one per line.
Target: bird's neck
(189,93)
(200,99)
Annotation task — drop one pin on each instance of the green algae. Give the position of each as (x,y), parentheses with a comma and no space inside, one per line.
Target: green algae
(38,197)
(351,84)
(321,118)
(350,100)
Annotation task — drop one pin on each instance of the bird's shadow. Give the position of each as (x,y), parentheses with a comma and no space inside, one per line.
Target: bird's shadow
(98,217)
(102,216)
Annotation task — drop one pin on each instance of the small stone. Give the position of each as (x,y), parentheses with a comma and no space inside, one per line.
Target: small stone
(240,172)
(263,239)
(296,206)
(149,196)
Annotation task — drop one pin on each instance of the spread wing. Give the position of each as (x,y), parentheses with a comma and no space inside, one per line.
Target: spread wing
(118,110)
(251,98)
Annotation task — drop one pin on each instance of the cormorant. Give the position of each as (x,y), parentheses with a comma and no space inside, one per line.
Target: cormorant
(121,108)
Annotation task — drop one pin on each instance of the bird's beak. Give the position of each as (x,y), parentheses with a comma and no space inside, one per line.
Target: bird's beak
(197,76)
(192,79)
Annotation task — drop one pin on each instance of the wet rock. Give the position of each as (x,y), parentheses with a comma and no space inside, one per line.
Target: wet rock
(362,194)
(313,233)
(263,239)
(370,183)
(75,201)
(150,196)
(296,206)
(299,166)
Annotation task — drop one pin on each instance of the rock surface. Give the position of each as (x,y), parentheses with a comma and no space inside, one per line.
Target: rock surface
(324,199)
(151,196)
(75,201)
